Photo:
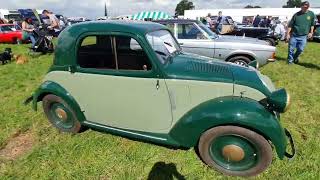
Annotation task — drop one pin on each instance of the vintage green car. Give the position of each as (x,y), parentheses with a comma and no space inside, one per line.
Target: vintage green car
(132,79)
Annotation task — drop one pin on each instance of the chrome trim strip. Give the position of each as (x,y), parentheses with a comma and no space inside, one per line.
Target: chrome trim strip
(123,131)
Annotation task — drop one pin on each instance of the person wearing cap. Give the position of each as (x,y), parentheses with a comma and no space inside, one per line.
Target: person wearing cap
(300,28)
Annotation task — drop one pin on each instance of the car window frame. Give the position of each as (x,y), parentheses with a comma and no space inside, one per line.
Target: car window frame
(196,25)
(153,73)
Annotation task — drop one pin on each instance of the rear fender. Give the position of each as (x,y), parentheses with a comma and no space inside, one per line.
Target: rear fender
(49,87)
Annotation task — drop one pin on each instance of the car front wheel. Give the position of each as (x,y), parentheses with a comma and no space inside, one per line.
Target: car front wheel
(240,60)
(270,41)
(235,151)
(60,114)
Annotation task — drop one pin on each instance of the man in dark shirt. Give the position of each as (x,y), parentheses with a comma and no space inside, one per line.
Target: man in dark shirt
(219,23)
(256,21)
(300,28)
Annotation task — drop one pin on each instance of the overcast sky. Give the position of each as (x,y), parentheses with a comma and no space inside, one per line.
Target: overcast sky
(95,8)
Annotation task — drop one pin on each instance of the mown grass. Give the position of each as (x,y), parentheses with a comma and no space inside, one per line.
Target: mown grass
(94,155)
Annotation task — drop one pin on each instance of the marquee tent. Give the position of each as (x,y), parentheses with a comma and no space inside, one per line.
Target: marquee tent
(154,15)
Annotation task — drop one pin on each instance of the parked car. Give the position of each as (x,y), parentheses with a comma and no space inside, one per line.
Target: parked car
(132,79)
(10,33)
(243,29)
(316,34)
(195,37)
(261,33)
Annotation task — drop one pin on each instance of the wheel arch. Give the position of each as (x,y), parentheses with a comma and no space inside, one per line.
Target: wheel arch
(249,55)
(235,111)
(49,87)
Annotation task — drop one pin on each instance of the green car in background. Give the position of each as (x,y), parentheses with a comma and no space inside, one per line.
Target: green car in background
(132,79)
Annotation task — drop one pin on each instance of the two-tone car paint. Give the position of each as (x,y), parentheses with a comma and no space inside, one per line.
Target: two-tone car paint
(172,104)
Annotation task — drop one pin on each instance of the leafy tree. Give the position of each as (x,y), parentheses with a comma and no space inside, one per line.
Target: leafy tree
(292,4)
(249,6)
(183,5)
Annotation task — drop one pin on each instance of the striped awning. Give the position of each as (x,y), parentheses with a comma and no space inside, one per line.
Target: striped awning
(154,15)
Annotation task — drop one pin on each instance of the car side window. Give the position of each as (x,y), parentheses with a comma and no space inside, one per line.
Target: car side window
(96,52)
(189,31)
(130,55)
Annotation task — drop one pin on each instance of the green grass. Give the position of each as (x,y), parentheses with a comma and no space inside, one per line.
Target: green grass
(96,155)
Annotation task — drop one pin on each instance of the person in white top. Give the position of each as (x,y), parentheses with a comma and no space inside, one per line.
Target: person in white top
(280,29)
(54,21)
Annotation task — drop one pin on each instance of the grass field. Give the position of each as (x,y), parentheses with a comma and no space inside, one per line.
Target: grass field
(47,154)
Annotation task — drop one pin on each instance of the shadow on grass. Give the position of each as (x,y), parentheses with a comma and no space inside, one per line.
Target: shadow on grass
(161,170)
(306,65)
(309,65)
(281,59)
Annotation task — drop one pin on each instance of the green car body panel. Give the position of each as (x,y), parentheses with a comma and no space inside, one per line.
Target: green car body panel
(201,93)
(222,111)
(49,87)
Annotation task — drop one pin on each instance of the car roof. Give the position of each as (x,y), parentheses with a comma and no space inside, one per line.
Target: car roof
(136,27)
(176,21)
(65,49)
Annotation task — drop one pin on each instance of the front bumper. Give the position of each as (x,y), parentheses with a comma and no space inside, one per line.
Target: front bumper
(317,38)
(271,60)
(291,155)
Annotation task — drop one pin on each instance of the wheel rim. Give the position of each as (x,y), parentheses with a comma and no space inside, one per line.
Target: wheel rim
(241,62)
(269,42)
(60,116)
(234,152)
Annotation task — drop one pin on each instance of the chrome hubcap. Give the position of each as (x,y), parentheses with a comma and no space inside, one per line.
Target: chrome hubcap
(241,63)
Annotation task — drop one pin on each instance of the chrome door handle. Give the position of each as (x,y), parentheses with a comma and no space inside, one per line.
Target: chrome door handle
(157,86)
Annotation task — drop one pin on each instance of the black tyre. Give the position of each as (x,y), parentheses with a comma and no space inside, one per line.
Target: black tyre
(235,151)
(270,41)
(240,60)
(60,114)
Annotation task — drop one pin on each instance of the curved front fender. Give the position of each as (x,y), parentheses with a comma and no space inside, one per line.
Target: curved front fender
(236,111)
(49,87)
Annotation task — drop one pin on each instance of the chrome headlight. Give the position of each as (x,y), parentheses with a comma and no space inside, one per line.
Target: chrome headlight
(279,100)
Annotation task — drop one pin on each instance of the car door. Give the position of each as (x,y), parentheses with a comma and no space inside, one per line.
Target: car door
(3,35)
(193,40)
(119,85)
(7,34)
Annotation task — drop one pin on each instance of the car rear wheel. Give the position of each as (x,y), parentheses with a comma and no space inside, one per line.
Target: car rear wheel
(60,114)
(240,60)
(270,41)
(235,151)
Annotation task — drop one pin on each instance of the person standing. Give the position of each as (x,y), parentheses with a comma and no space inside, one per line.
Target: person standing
(219,23)
(256,21)
(27,29)
(300,28)
(209,20)
(280,29)
(54,22)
